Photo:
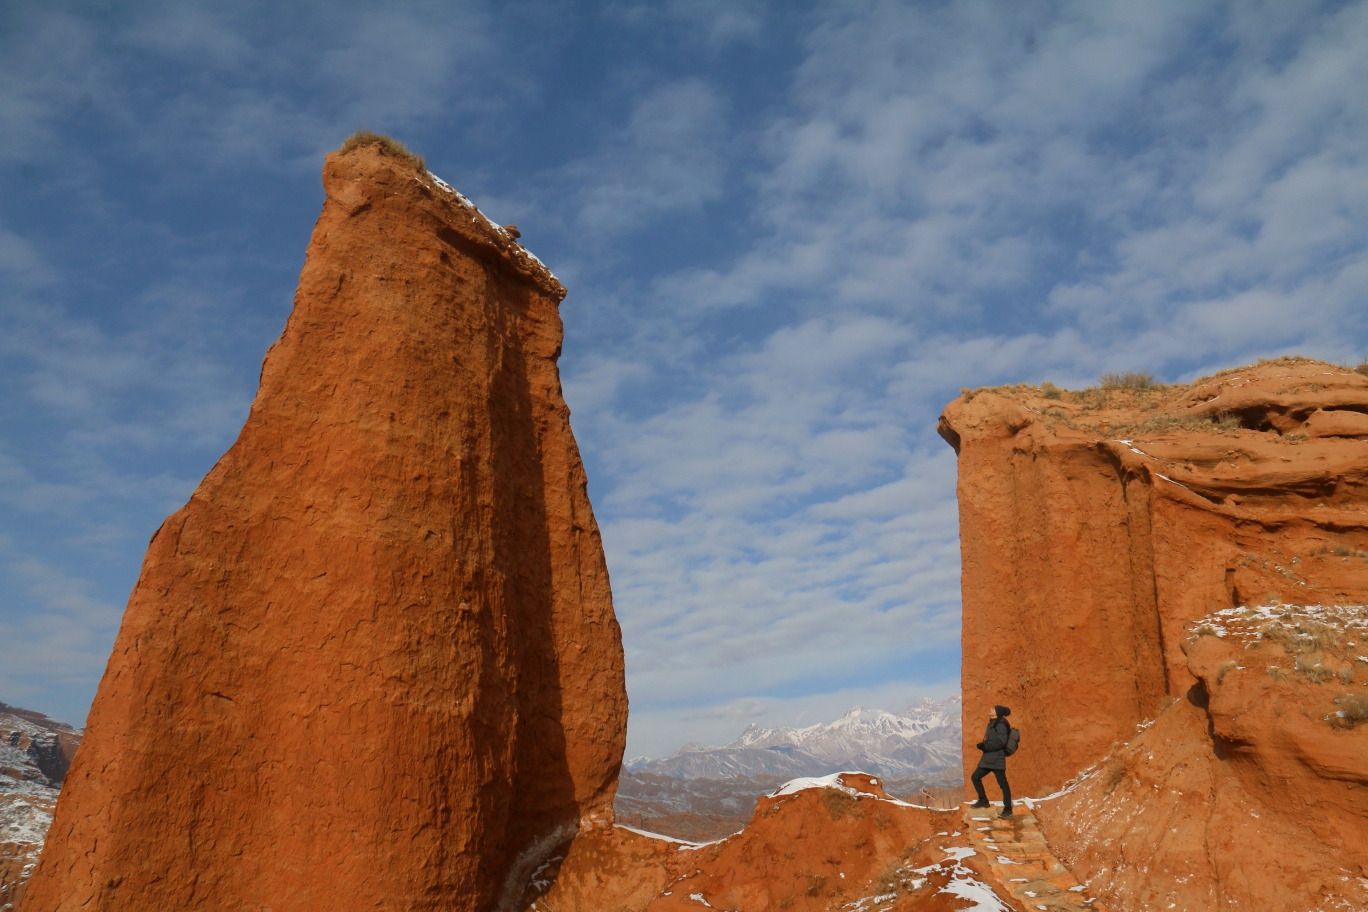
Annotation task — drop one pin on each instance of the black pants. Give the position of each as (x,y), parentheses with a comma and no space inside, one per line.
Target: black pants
(1001,777)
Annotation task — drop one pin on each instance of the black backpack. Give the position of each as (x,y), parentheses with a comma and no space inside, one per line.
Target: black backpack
(1013,742)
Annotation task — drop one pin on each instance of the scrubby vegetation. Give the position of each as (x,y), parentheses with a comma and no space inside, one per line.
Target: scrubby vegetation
(1353,710)
(1133,381)
(1112,774)
(386,144)
(1326,643)
(839,804)
(1301,637)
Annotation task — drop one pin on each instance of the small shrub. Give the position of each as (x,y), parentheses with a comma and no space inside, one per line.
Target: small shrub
(1225,421)
(968,394)
(1050,390)
(1363,368)
(1313,671)
(1112,774)
(1225,669)
(1346,675)
(1132,381)
(1278,674)
(1303,638)
(1206,630)
(387,144)
(1353,710)
(839,804)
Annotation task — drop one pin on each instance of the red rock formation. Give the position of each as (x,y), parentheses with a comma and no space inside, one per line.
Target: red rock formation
(373,662)
(825,848)
(34,747)
(1093,527)
(1241,795)
(1098,529)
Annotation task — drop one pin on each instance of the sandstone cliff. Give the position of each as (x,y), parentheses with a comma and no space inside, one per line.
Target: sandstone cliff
(373,662)
(1103,533)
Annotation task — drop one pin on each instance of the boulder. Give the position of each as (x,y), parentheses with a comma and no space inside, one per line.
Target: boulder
(1337,423)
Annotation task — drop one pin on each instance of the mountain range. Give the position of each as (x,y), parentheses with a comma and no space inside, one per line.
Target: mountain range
(921,740)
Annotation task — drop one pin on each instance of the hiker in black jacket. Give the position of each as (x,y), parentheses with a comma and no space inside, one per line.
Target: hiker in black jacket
(994,760)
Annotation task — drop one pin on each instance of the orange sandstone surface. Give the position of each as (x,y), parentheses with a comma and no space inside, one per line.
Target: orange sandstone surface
(373,662)
(1166,586)
(840,844)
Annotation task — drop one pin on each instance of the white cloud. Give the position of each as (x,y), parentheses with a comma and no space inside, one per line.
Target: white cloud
(955,199)
(657,732)
(62,647)
(945,195)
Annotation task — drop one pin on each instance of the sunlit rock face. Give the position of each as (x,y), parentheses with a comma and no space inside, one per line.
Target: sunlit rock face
(1114,542)
(373,662)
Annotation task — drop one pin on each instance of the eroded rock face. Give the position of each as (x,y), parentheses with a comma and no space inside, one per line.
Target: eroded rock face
(844,845)
(373,662)
(1249,793)
(1093,527)
(1112,542)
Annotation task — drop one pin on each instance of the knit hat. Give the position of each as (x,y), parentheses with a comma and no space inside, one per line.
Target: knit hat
(1002,710)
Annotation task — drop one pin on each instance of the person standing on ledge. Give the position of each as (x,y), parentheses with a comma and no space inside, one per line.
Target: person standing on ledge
(995,749)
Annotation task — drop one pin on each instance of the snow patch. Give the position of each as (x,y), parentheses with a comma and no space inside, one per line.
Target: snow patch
(481,217)
(682,843)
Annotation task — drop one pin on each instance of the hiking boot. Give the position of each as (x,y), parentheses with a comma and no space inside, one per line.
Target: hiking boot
(1006,812)
(980,804)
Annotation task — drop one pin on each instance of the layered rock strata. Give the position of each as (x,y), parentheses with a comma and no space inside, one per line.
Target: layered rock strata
(1094,526)
(373,662)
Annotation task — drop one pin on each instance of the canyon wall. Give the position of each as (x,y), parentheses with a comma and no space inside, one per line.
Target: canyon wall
(373,662)
(1095,525)
(1167,586)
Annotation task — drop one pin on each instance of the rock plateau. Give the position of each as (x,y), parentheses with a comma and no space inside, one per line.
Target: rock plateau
(373,662)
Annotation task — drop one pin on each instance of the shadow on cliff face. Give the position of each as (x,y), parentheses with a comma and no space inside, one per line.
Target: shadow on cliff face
(540,770)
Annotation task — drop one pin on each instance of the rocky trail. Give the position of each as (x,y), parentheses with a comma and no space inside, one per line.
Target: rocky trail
(1022,864)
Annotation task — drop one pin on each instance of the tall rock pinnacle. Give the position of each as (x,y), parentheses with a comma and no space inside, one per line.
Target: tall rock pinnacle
(373,662)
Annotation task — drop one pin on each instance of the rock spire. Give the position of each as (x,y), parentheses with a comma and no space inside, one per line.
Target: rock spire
(373,662)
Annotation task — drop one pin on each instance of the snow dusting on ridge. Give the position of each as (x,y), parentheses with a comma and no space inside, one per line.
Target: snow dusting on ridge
(925,738)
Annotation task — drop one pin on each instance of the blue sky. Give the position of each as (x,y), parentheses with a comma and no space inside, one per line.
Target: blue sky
(791,232)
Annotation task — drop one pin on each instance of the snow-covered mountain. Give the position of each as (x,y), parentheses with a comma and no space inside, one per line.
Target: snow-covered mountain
(35,753)
(922,739)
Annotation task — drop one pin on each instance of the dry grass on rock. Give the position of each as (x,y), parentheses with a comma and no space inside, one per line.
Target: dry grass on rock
(388,145)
